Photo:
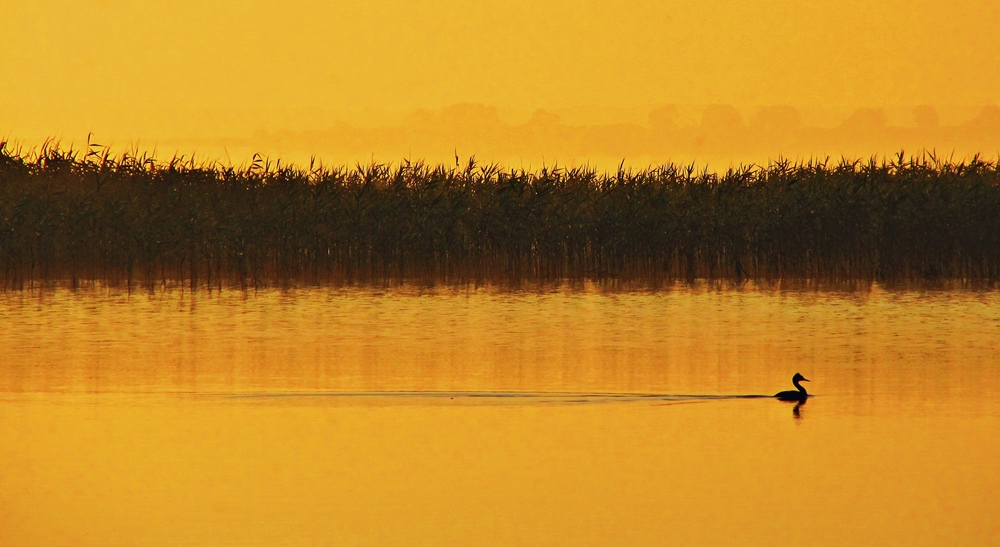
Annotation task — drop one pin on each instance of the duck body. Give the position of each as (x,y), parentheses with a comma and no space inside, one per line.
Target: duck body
(791,395)
(798,395)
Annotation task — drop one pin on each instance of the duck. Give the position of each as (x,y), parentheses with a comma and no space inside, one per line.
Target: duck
(798,395)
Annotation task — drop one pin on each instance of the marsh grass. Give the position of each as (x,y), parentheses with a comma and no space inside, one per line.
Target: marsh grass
(84,216)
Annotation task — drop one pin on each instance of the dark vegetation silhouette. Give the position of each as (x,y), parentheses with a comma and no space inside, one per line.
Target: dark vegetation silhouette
(85,216)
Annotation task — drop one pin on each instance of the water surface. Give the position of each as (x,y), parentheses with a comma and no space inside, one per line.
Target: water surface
(569,416)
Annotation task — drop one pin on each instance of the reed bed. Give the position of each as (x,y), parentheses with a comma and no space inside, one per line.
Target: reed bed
(87,216)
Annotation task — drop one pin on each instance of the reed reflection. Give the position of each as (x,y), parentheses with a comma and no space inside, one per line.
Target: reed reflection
(678,342)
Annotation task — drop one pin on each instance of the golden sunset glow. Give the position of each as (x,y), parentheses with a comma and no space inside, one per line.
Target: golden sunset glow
(350,81)
(440,272)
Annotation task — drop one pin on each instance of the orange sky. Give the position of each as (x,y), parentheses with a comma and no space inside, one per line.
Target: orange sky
(166,72)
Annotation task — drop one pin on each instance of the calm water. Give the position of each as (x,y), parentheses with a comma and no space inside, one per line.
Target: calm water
(489,417)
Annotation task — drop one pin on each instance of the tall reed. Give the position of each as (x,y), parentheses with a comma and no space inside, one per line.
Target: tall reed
(86,215)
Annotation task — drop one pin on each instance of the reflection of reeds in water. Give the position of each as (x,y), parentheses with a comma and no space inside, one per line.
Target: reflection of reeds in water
(130,220)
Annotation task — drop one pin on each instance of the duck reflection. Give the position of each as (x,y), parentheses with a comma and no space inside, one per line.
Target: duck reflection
(795,411)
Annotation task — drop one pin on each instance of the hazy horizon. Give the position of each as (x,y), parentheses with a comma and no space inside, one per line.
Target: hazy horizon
(289,80)
(717,135)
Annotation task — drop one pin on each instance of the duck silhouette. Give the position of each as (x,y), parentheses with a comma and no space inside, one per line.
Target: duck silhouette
(799,394)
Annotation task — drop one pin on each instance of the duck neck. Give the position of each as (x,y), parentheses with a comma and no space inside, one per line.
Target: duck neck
(799,387)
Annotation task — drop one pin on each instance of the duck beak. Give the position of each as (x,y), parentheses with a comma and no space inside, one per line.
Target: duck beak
(805,379)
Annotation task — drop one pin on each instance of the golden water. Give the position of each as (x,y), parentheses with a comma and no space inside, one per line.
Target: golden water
(374,417)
